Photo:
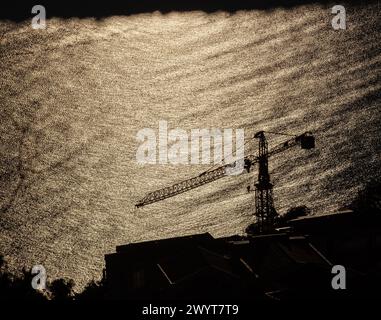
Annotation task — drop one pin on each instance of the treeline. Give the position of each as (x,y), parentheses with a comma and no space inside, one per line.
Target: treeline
(19,287)
(368,199)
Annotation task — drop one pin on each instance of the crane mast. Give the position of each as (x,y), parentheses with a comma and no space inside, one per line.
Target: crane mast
(264,203)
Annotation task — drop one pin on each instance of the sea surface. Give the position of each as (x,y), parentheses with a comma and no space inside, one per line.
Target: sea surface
(74,96)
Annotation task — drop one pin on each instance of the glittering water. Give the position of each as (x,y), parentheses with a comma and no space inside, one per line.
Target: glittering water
(74,96)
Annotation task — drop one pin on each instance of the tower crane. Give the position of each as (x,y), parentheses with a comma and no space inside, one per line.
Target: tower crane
(264,204)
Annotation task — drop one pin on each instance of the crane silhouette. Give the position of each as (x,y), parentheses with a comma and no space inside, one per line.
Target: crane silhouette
(264,205)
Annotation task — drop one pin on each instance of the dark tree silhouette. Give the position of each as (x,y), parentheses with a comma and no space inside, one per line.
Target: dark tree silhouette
(62,289)
(93,291)
(296,212)
(368,199)
(17,287)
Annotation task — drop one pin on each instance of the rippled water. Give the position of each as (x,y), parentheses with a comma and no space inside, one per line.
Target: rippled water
(74,96)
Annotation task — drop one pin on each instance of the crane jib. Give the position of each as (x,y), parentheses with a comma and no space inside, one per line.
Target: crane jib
(204,178)
(306,140)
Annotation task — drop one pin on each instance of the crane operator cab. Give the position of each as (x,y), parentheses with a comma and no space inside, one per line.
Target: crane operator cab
(307,141)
